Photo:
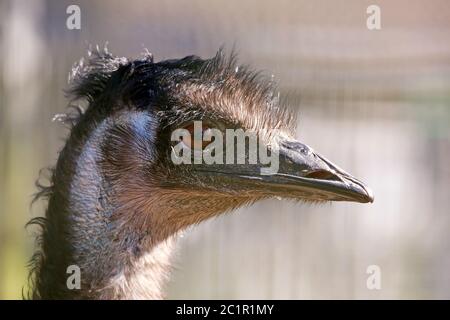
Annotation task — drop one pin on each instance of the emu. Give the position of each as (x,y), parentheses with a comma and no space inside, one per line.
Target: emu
(117,202)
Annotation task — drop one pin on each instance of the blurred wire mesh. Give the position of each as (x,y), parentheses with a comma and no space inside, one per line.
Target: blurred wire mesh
(376,102)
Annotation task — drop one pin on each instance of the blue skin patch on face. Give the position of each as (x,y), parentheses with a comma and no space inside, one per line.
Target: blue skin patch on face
(143,129)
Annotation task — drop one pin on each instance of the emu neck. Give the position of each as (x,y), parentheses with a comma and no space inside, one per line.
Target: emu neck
(108,231)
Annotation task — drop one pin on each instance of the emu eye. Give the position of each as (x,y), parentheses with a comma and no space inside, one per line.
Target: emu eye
(191,143)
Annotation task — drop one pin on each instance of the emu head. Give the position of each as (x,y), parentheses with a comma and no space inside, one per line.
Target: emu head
(173,142)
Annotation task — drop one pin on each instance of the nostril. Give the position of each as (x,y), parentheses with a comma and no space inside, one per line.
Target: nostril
(322,175)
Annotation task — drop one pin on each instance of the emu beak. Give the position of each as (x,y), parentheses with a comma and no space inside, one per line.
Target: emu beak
(305,171)
(301,173)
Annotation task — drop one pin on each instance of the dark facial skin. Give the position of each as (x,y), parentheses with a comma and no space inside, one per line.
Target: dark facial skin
(303,174)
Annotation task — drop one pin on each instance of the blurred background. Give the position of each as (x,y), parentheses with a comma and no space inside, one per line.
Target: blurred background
(375,102)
